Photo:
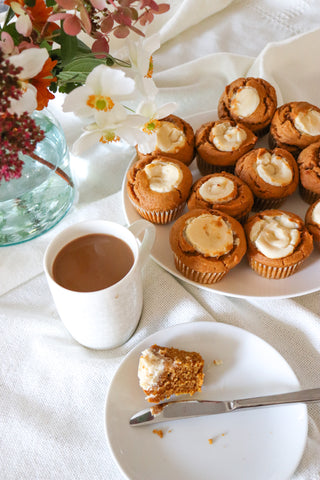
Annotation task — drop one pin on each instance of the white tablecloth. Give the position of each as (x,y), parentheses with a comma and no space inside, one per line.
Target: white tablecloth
(52,390)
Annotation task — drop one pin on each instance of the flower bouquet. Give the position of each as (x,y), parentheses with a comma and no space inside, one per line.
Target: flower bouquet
(48,46)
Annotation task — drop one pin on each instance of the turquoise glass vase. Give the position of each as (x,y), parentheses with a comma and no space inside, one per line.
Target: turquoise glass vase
(40,198)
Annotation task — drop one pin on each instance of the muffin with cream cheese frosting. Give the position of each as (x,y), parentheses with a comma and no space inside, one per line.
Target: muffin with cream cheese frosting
(272,176)
(278,243)
(174,139)
(219,144)
(207,245)
(312,221)
(251,101)
(158,188)
(224,192)
(309,169)
(295,125)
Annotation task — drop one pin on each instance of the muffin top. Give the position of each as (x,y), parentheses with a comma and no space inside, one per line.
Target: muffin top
(158,183)
(221,191)
(208,241)
(295,125)
(312,220)
(269,173)
(222,142)
(175,139)
(278,237)
(251,101)
(309,167)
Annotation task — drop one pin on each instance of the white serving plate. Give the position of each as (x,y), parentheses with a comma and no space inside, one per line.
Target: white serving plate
(264,443)
(240,281)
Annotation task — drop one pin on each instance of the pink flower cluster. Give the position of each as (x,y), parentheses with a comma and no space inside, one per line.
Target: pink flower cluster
(17,133)
(100,18)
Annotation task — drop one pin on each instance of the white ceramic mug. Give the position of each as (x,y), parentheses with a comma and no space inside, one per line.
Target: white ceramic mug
(106,318)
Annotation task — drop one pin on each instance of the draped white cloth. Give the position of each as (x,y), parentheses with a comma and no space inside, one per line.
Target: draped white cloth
(52,390)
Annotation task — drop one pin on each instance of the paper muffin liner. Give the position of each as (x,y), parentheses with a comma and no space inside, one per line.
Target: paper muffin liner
(194,275)
(267,203)
(275,273)
(160,217)
(206,168)
(307,195)
(242,218)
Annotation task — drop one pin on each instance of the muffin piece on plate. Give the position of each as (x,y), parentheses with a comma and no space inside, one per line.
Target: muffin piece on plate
(166,371)
(224,192)
(272,175)
(207,245)
(312,221)
(175,139)
(158,188)
(251,101)
(278,242)
(219,144)
(309,169)
(295,125)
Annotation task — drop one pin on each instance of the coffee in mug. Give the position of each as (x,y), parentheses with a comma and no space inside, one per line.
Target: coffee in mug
(92,262)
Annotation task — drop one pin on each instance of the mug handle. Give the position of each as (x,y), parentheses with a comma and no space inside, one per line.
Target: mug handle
(148,238)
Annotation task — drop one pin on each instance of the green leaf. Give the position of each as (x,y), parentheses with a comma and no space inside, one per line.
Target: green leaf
(68,47)
(78,69)
(9,16)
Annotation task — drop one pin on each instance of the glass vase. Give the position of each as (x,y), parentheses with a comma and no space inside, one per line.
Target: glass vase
(40,198)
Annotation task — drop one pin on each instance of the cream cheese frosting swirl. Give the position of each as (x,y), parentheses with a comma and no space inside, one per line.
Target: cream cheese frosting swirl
(308,122)
(150,368)
(163,176)
(244,102)
(209,234)
(315,217)
(169,138)
(226,137)
(273,169)
(218,189)
(275,236)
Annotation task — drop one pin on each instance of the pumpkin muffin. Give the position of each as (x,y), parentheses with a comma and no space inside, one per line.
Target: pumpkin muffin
(309,169)
(167,371)
(175,139)
(206,245)
(158,188)
(219,144)
(278,242)
(295,125)
(312,221)
(272,176)
(250,101)
(224,192)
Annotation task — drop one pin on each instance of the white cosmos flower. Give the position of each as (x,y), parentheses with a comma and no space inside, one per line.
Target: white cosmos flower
(122,127)
(140,55)
(152,115)
(104,87)
(31,60)
(140,52)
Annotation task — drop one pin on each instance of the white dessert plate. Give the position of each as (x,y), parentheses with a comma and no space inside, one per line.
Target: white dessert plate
(240,281)
(264,443)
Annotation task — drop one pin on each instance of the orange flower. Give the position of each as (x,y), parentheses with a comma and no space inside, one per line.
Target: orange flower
(39,15)
(42,82)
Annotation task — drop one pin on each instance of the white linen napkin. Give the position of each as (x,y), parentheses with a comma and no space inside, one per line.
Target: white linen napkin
(182,15)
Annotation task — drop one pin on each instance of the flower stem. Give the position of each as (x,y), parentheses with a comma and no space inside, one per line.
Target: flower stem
(57,170)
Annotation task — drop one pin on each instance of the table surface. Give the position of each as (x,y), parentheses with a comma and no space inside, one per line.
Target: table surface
(52,390)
